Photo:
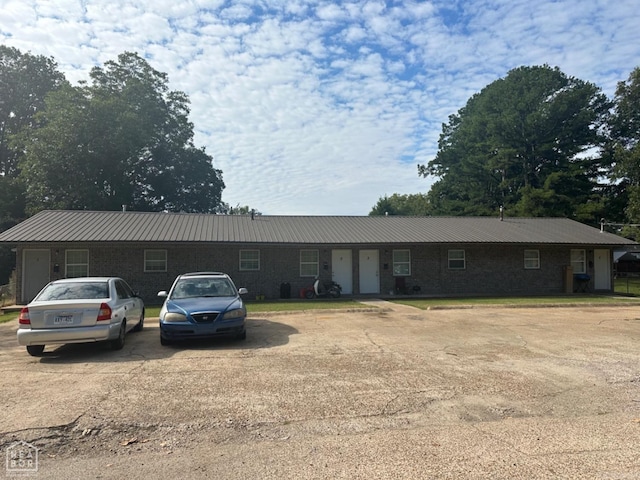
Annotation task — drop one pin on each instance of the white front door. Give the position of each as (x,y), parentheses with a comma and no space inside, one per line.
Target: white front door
(35,272)
(342,270)
(602,269)
(369,271)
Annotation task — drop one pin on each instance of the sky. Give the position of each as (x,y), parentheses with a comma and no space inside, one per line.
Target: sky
(322,108)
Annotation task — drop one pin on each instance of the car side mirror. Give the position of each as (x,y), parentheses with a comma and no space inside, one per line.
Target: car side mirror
(243,291)
(163,293)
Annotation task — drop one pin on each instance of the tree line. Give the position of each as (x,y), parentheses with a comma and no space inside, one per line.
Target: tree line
(121,138)
(537,143)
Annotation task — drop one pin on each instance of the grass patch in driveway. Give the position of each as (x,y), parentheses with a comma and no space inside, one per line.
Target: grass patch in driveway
(7,317)
(426,303)
(295,305)
(152,311)
(301,305)
(256,306)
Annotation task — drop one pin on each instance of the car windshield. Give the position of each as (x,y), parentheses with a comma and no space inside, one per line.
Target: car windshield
(74,291)
(203,287)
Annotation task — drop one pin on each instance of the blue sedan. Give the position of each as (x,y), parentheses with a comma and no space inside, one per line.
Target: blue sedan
(202,305)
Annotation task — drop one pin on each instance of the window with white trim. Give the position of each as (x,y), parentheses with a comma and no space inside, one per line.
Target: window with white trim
(457,260)
(309,263)
(401,263)
(155,260)
(531,259)
(76,263)
(579,260)
(250,260)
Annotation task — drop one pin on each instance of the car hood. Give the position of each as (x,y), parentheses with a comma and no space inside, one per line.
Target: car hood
(203,304)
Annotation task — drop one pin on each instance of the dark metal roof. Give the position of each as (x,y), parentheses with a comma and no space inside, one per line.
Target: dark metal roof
(89,226)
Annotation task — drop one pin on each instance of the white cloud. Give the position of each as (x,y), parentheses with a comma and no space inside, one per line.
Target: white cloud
(330,12)
(321,107)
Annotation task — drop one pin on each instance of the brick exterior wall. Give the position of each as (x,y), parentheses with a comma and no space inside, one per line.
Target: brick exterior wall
(490,269)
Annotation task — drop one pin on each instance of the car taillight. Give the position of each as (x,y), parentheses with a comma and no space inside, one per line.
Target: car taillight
(105,312)
(24,318)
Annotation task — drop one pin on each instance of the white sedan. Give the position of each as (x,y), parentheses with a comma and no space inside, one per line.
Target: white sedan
(79,310)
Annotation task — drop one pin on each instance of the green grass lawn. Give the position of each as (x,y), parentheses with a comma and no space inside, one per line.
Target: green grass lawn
(296,305)
(426,303)
(254,306)
(153,311)
(301,305)
(7,317)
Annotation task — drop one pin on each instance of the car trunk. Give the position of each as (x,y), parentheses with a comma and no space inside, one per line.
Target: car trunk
(64,314)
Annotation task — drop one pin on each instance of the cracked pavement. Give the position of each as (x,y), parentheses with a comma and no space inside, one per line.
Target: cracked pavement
(385,392)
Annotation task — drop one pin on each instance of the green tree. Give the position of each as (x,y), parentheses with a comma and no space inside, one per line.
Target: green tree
(396,204)
(122,139)
(625,132)
(520,143)
(226,209)
(25,81)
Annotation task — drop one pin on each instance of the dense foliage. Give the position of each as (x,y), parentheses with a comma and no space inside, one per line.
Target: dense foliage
(123,139)
(25,82)
(538,143)
(625,148)
(522,143)
(396,204)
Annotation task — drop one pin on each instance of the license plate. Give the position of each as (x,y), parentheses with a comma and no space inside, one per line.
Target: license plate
(63,320)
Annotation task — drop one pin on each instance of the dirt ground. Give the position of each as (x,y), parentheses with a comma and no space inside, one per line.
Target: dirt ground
(386,392)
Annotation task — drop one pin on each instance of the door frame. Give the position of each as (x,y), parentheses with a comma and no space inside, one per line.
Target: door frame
(369,277)
(602,269)
(26,272)
(343,276)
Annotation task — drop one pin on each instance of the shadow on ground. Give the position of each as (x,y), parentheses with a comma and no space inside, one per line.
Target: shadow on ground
(144,345)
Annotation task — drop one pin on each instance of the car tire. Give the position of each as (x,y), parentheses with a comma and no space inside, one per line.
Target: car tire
(164,341)
(118,343)
(35,350)
(242,336)
(140,324)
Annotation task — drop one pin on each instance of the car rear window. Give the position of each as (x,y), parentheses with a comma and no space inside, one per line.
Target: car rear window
(74,291)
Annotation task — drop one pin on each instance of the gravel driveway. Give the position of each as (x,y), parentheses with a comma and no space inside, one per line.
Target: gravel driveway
(384,392)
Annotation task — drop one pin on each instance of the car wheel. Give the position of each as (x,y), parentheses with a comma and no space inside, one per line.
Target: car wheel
(118,343)
(140,324)
(164,341)
(242,336)
(35,350)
